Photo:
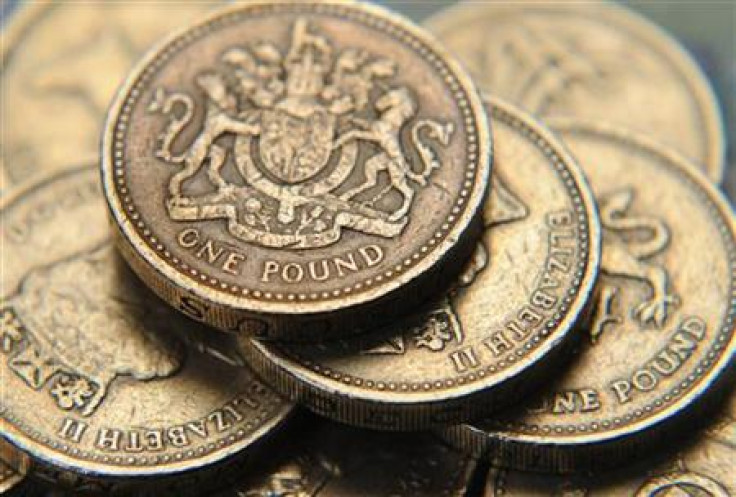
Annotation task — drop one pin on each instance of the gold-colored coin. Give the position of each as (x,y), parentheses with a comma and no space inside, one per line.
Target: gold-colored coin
(332,460)
(96,379)
(296,161)
(500,329)
(14,465)
(662,336)
(702,468)
(62,62)
(593,60)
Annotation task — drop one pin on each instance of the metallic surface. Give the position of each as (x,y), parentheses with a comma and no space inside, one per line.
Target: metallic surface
(662,335)
(504,323)
(309,161)
(331,460)
(96,378)
(14,466)
(592,60)
(703,467)
(57,82)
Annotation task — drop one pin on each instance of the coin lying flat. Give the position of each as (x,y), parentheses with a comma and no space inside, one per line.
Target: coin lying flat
(53,76)
(14,466)
(700,468)
(336,460)
(594,60)
(503,325)
(96,380)
(292,160)
(662,335)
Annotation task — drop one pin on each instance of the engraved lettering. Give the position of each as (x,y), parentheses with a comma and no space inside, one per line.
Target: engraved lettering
(348,264)
(177,436)
(293,273)
(372,255)
(681,346)
(232,263)
(108,440)
(498,343)
(192,307)
(464,359)
(216,255)
(73,430)
(543,300)
(155,440)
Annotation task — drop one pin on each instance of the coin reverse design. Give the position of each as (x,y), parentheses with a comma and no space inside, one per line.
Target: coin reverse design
(97,380)
(502,327)
(290,159)
(661,341)
(593,60)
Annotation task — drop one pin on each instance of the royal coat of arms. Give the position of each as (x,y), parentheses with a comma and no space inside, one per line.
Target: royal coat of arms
(323,141)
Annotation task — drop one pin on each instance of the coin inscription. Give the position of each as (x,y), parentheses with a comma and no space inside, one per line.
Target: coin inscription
(510,312)
(287,105)
(661,336)
(295,158)
(98,379)
(700,468)
(594,60)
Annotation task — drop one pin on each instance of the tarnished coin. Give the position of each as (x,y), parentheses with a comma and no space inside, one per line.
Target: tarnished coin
(62,62)
(501,328)
(594,60)
(703,468)
(96,380)
(339,461)
(14,466)
(285,162)
(663,331)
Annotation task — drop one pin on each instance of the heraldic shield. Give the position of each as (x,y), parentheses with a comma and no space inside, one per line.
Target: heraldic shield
(293,148)
(284,108)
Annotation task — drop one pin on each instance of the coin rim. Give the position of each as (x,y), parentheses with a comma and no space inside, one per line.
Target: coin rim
(16,436)
(302,383)
(469,436)
(664,42)
(150,261)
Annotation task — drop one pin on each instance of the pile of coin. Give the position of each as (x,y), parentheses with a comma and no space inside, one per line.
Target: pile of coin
(324,251)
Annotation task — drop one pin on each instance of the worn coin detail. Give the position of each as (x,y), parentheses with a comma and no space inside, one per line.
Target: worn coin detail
(663,332)
(53,76)
(96,379)
(340,461)
(594,60)
(294,160)
(505,322)
(701,468)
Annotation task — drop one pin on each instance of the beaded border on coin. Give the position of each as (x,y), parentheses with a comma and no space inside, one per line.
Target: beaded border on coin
(234,308)
(407,406)
(521,446)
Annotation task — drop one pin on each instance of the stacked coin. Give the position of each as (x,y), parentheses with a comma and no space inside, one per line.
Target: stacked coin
(314,204)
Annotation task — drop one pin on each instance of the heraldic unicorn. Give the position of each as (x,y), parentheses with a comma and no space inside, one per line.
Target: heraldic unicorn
(294,182)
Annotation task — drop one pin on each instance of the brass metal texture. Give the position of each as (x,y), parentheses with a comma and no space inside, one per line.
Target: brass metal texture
(97,382)
(14,465)
(661,341)
(594,60)
(332,460)
(62,62)
(502,327)
(297,163)
(703,467)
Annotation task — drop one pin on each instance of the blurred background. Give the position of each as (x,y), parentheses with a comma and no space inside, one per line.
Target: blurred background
(706,28)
